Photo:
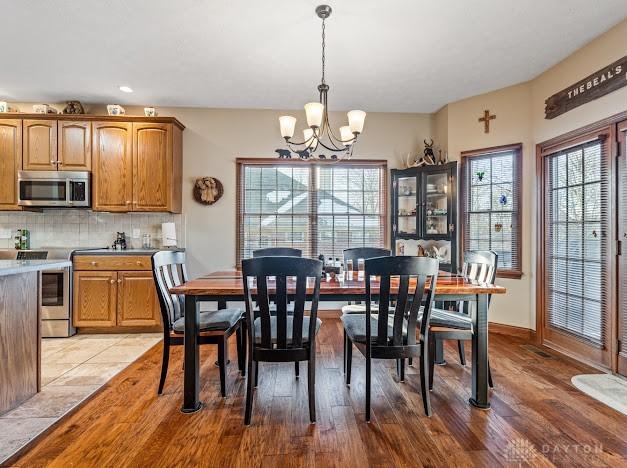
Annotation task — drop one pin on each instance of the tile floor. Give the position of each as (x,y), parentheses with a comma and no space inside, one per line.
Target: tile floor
(71,370)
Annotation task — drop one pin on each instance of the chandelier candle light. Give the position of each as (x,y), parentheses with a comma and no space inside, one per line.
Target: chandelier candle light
(320,132)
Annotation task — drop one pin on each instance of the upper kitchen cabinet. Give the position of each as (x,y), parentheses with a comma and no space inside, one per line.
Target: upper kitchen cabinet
(112,166)
(74,148)
(10,162)
(156,167)
(40,145)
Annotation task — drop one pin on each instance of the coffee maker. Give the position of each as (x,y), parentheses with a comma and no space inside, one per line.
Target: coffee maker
(120,242)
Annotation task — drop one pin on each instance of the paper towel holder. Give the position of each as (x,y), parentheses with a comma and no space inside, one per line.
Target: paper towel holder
(168,235)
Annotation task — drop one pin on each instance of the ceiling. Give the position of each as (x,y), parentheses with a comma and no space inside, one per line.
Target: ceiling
(394,55)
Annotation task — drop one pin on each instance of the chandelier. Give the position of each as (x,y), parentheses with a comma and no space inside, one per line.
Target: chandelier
(319,133)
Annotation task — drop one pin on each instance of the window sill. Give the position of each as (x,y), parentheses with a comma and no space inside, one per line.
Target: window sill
(509,274)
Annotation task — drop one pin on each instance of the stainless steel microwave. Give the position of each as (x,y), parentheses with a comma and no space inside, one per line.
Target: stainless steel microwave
(53,189)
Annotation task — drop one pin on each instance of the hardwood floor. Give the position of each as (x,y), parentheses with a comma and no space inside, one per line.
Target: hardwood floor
(537,416)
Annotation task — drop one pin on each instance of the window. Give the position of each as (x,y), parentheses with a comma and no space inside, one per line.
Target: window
(318,207)
(490,204)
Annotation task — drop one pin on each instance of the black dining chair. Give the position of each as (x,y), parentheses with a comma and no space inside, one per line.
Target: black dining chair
(215,327)
(281,337)
(478,267)
(354,255)
(391,334)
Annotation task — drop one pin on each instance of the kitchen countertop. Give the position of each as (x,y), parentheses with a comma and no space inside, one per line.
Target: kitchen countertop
(16,267)
(123,252)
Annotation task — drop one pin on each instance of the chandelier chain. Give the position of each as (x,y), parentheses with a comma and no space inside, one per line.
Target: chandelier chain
(323,48)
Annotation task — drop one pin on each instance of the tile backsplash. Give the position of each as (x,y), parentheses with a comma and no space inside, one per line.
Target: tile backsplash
(85,228)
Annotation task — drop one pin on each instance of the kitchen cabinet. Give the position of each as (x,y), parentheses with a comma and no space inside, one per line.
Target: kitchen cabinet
(138,304)
(115,291)
(95,298)
(152,167)
(74,146)
(112,166)
(10,162)
(136,162)
(424,213)
(40,145)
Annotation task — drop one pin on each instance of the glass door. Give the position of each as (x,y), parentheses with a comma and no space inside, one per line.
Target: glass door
(576,232)
(405,203)
(435,213)
(622,258)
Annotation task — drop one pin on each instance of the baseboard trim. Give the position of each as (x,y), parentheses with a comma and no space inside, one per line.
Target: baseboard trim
(511,330)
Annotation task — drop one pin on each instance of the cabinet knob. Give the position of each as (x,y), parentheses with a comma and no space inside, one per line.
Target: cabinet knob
(119,281)
(59,163)
(112,281)
(138,263)
(52,162)
(94,263)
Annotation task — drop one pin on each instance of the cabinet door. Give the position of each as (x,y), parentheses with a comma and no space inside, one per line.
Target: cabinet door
(138,304)
(152,166)
(74,146)
(95,298)
(10,162)
(40,145)
(112,166)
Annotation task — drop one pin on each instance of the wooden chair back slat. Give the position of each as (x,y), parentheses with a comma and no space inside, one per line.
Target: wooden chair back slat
(277,252)
(363,253)
(480,266)
(384,307)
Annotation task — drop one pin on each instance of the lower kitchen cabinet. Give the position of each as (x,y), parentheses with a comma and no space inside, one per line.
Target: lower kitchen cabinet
(138,304)
(105,299)
(95,298)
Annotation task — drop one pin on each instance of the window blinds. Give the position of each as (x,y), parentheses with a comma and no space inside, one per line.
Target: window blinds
(318,208)
(491,190)
(576,240)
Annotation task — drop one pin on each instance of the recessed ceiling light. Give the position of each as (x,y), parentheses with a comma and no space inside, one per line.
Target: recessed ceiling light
(126,89)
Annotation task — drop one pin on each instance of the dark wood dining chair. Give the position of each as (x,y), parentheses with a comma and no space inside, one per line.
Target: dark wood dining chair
(354,255)
(281,337)
(215,327)
(391,334)
(479,267)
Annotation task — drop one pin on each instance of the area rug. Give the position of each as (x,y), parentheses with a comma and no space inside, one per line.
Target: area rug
(606,388)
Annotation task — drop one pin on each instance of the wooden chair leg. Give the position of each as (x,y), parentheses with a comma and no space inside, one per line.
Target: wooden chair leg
(490,382)
(164,365)
(462,354)
(296,368)
(222,366)
(368,383)
(431,359)
(311,384)
(345,350)
(410,361)
(424,378)
(239,337)
(256,373)
(249,391)
(348,359)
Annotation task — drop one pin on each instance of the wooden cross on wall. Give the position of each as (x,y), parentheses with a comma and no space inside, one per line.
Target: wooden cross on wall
(486,120)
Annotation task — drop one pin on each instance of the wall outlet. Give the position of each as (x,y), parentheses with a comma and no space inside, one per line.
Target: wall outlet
(5,234)
(136,233)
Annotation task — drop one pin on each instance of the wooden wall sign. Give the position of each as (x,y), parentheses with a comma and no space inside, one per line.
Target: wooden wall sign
(592,87)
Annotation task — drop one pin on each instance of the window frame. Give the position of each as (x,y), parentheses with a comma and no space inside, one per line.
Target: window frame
(516,148)
(241,163)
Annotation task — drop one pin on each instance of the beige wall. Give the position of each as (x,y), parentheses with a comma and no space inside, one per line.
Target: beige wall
(520,118)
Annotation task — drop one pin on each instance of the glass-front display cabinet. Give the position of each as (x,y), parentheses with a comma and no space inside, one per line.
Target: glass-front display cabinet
(424,213)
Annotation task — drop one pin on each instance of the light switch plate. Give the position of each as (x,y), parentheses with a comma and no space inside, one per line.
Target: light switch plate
(5,234)
(136,233)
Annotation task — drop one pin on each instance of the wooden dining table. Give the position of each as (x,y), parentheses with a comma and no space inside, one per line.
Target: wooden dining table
(227,286)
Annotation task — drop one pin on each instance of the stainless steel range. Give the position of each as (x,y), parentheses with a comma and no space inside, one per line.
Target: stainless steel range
(56,290)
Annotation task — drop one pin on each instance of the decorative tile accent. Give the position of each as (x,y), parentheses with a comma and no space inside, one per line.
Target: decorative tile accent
(84,228)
